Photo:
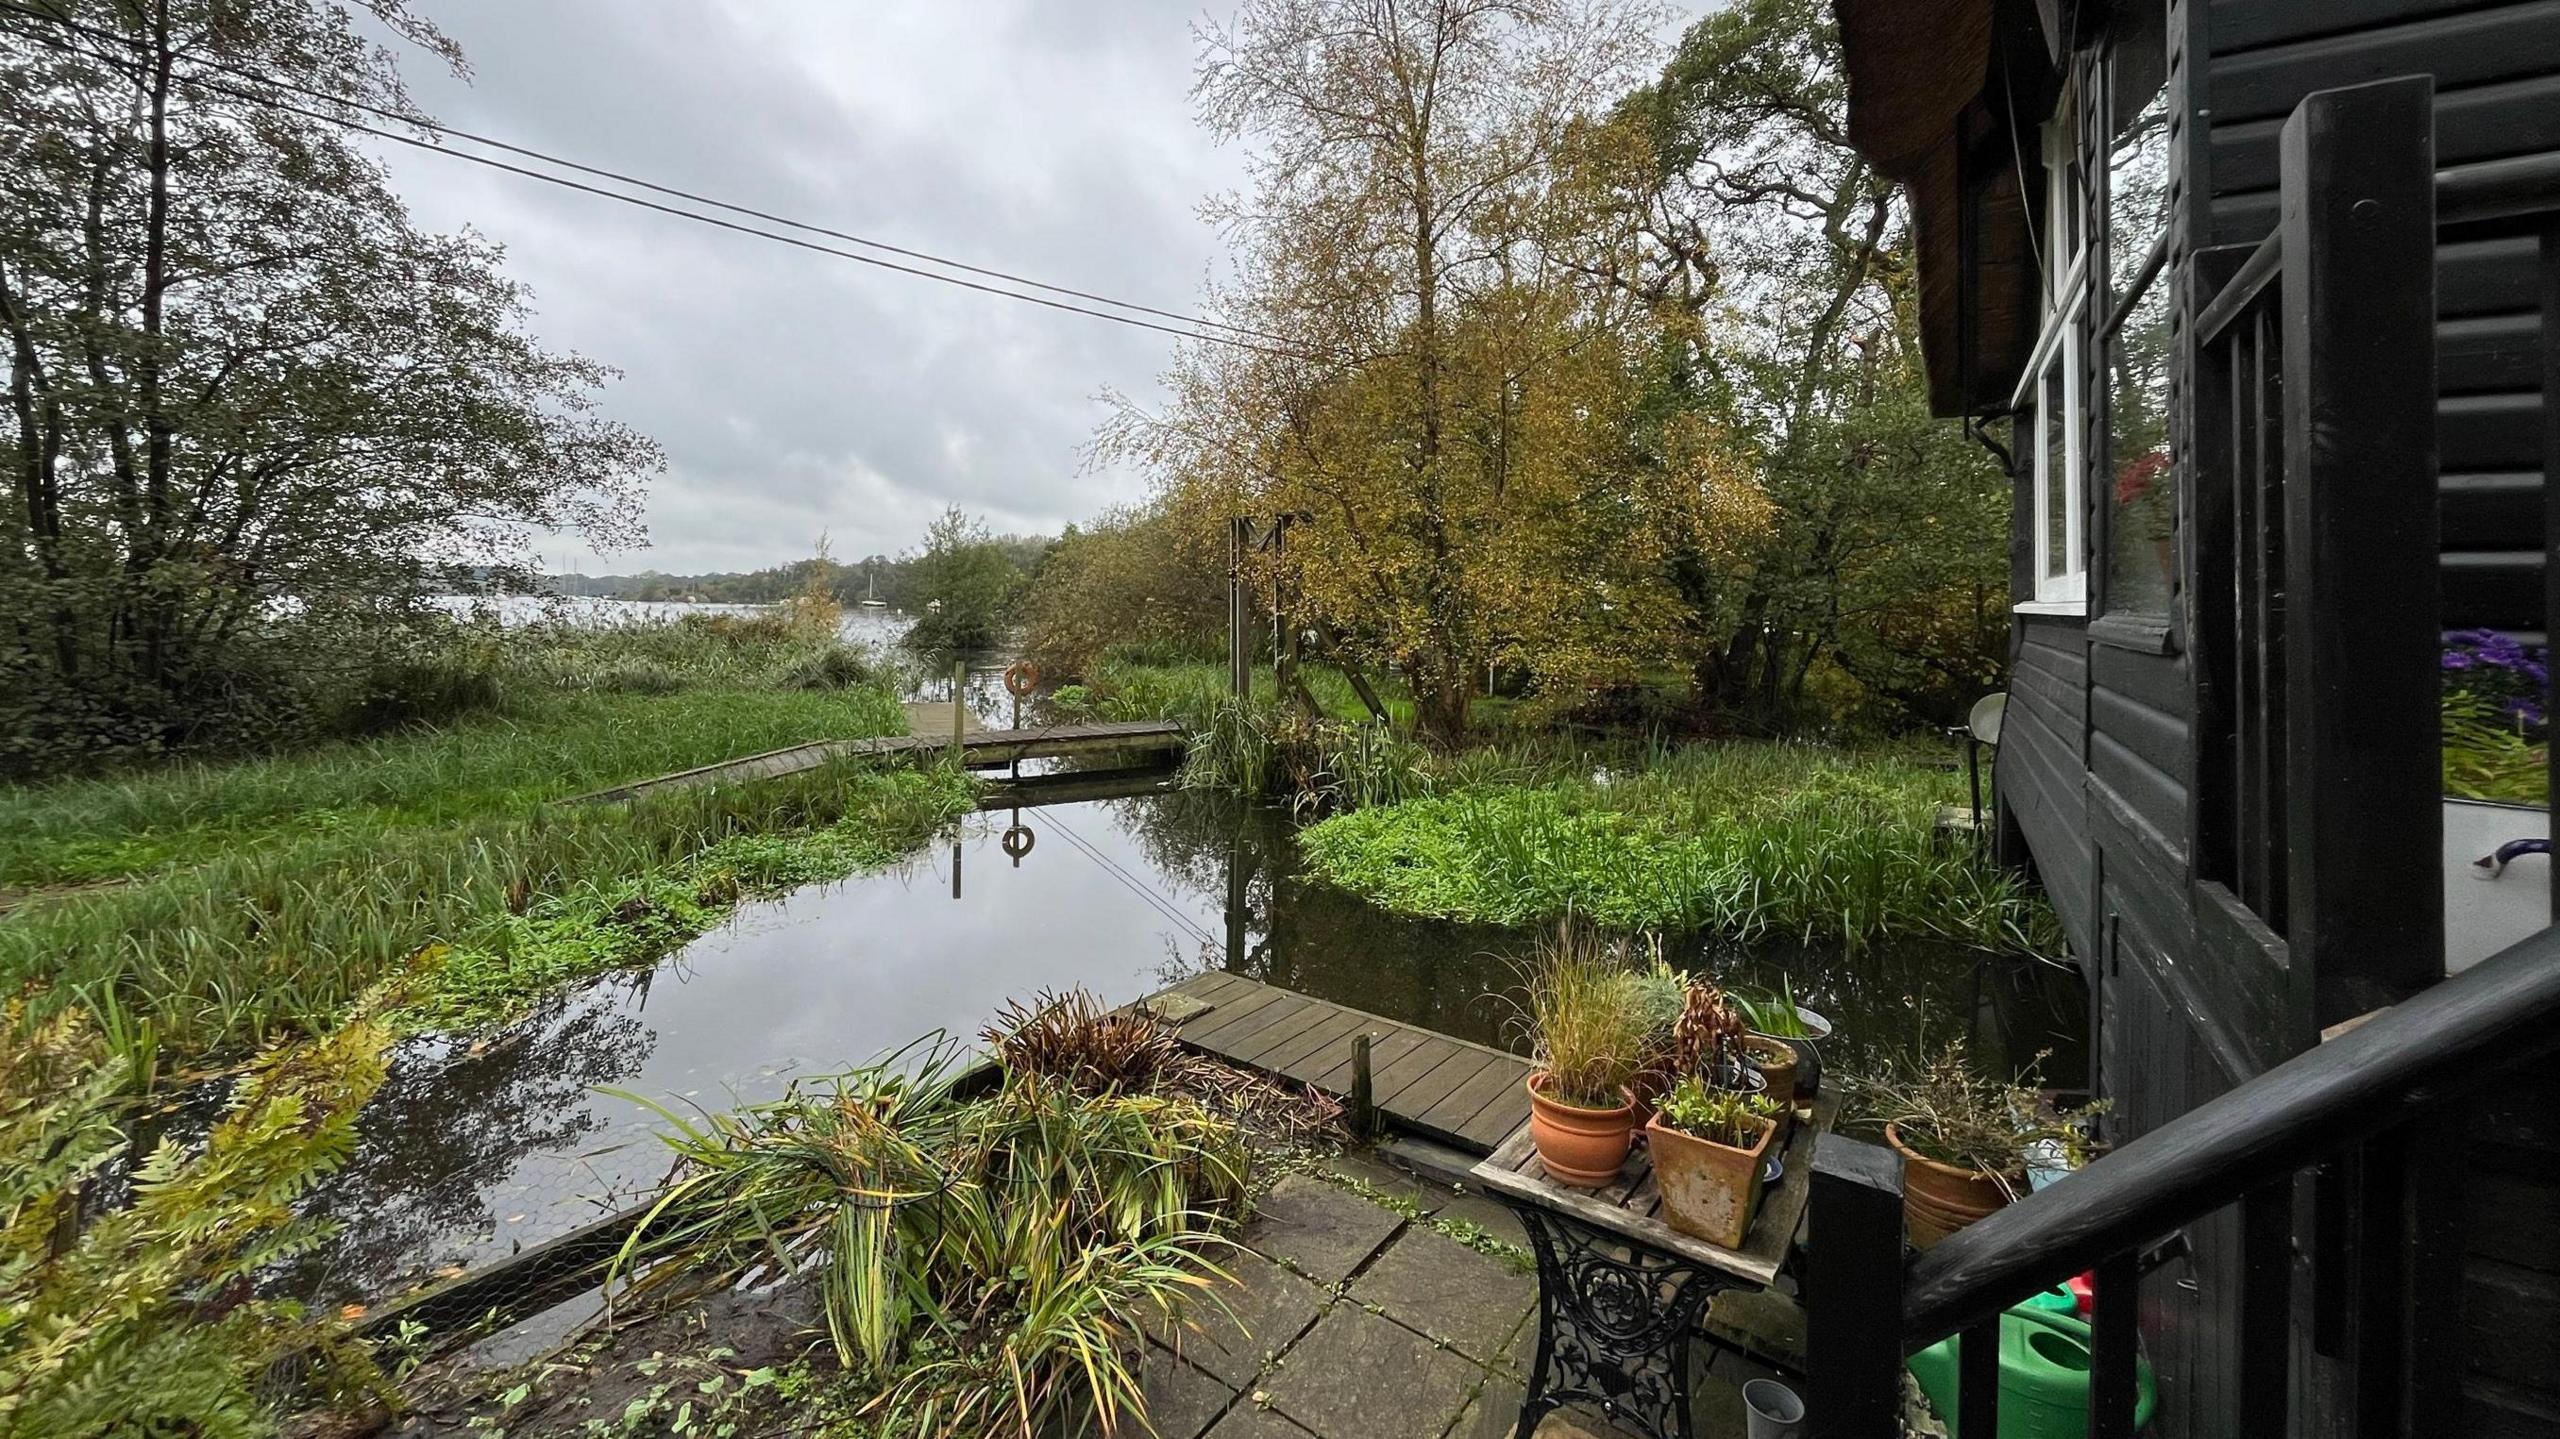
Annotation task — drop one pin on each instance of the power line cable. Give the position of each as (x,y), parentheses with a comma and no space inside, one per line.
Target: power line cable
(1180,330)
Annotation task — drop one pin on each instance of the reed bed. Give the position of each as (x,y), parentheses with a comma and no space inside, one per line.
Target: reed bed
(1751,841)
(451,924)
(561,744)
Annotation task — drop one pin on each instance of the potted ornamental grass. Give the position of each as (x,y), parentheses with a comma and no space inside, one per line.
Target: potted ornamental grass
(1709,1148)
(1966,1138)
(1587,1020)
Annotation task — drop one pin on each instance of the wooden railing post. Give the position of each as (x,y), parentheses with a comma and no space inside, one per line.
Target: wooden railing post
(1853,1290)
(2363,618)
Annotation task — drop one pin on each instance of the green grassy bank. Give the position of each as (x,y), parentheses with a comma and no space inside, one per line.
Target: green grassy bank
(204,909)
(1748,840)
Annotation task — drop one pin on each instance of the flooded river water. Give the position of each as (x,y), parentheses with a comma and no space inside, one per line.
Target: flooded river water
(477,1147)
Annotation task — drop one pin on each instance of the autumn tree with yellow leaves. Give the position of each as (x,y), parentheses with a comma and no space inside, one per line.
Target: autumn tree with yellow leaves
(1439,377)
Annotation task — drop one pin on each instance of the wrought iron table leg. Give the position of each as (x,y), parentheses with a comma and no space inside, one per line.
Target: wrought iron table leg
(1615,1323)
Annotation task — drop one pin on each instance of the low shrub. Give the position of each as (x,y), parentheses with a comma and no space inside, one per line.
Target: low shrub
(987,1265)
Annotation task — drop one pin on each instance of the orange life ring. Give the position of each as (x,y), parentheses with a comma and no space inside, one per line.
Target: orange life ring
(1021,677)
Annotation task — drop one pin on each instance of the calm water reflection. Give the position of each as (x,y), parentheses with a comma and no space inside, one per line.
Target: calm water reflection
(474,1149)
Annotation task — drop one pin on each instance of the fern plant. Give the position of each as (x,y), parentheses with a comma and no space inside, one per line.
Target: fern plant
(142,1319)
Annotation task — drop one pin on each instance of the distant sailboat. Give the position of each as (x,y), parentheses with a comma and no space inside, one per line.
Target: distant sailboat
(871,592)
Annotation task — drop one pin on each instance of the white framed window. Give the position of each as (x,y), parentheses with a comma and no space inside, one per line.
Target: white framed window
(2053,410)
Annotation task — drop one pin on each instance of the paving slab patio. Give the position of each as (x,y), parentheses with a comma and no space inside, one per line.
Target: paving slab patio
(1266,1309)
(1182,1399)
(1448,1292)
(1356,1374)
(1321,1230)
(1364,1324)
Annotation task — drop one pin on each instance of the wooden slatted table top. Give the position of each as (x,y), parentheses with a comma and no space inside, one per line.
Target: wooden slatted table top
(1632,1207)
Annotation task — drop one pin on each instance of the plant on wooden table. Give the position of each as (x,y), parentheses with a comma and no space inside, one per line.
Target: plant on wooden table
(1588,1021)
(1965,1137)
(1663,993)
(1709,1146)
(1776,1016)
(1707,1040)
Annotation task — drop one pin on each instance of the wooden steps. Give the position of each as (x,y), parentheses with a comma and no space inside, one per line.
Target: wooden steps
(1458,1093)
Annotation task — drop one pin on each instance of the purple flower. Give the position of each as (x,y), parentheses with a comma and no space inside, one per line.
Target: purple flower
(2456,660)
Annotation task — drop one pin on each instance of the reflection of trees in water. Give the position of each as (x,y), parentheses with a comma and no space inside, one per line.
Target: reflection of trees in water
(448,1127)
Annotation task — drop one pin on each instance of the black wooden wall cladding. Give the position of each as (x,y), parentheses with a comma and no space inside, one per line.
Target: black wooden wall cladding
(2098,771)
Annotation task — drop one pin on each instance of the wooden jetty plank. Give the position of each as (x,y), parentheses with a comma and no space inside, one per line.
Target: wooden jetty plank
(1210,1029)
(1395,1079)
(1490,1086)
(1433,1084)
(1496,1122)
(1421,1099)
(1292,1059)
(977,748)
(1385,1047)
(1250,1031)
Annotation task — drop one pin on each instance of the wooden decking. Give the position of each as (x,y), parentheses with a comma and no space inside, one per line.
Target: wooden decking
(1461,1094)
(978,748)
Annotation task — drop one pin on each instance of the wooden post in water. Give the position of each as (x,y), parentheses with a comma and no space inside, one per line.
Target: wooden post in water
(1364,1109)
(959,704)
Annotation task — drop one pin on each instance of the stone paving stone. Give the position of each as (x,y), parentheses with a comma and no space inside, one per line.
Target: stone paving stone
(1182,1401)
(1443,1289)
(1247,1422)
(1364,1167)
(1357,1376)
(1266,1308)
(1482,1209)
(1493,1413)
(1317,1229)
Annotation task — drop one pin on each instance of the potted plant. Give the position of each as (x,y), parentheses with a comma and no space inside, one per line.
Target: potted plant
(1778,1017)
(1709,1146)
(1587,1020)
(1663,994)
(1965,1139)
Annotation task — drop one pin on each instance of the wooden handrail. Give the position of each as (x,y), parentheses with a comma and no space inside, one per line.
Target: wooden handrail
(2498,189)
(2503,1010)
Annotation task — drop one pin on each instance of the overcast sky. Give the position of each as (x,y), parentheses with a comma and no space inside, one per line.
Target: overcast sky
(796,392)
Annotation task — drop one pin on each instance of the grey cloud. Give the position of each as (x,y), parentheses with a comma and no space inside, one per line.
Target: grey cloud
(797,392)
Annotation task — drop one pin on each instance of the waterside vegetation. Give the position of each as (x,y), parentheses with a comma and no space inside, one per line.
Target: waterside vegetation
(1747,840)
(203,911)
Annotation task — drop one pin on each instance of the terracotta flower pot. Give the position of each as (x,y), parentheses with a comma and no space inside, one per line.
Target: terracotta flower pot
(1939,1199)
(1808,1050)
(1777,1062)
(1581,1147)
(1710,1190)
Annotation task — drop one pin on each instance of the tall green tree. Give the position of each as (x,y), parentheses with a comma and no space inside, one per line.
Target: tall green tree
(248,400)
(1888,556)
(961,584)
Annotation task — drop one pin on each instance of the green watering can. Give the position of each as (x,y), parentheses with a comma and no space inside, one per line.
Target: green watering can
(2044,1373)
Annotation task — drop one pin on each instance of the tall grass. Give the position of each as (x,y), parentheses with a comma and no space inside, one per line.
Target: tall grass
(117,825)
(1746,840)
(285,936)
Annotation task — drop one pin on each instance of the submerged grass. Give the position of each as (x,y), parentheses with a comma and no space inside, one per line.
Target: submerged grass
(454,923)
(1748,840)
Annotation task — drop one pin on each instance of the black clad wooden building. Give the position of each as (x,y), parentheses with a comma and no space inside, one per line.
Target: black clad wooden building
(2256,296)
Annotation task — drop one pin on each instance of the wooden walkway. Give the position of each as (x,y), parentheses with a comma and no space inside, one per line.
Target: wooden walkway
(979,748)
(1458,1093)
